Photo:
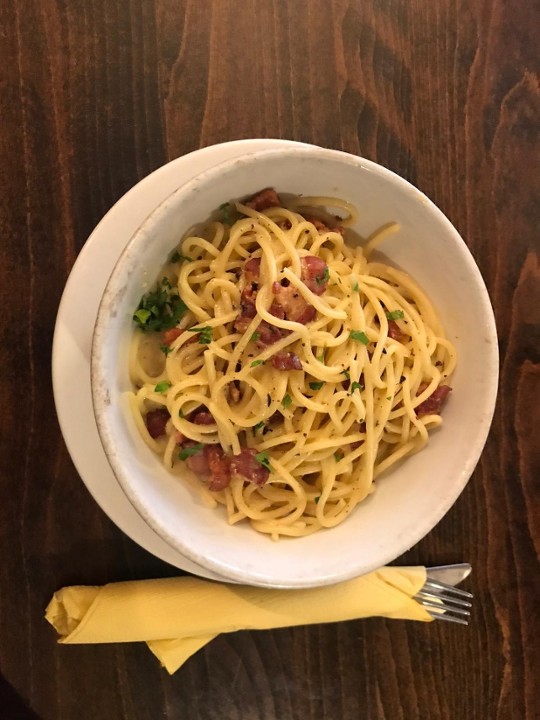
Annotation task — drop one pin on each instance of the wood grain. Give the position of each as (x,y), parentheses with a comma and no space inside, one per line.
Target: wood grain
(94,95)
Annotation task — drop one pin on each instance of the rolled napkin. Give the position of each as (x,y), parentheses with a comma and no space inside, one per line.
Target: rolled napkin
(178,616)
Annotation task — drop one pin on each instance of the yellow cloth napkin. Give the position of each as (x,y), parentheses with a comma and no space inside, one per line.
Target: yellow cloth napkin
(177,616)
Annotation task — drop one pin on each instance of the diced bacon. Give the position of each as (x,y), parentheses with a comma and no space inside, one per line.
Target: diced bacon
(169,336)
(286,361)
(234,391)
(247,309)
(156,421)
(314,270)
(179,437)
(433,404)
(252,270)
(268,334)
(248,467)
(293,305)
(395,332)
(263,200)
(322,227)
(197,463)
(203,417)
(220,467)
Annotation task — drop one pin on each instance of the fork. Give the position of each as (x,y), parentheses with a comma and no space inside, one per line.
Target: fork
(445,602)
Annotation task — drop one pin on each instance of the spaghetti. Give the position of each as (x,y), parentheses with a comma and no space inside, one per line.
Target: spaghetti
(283,366)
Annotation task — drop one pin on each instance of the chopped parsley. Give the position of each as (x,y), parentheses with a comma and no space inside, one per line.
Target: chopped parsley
(263,459)
(256,335)
(226,212)
(159,309)
(316,385)
(205,334)
(316,499)
(258,426)
(324,277)
(356,287)
(162,386)
(338,455)
(287,400)
(389,397)
(165,349)
(356,386)
(189,451)
(395,315)
(178,257)
(359,336)
(181,414)
(347,374)
(321,357)
(257,362)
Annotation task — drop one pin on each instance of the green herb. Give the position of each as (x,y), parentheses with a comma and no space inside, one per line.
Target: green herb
(257,362)
(165,349)
(189,451)
(316,385)
(181,415)
(338,455)
(178,257)
(356,287)
(359,336)
(287,400)
(321,357)
(324,277)
(316,499)
(389,397)
(256,335)
(226,212)
(395,315)
(205,334)
(160,309)
(258,426)
(347,374)
(264,459)
(162,386)
(356,386)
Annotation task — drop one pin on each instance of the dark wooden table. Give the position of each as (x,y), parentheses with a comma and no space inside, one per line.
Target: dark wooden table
(94,95)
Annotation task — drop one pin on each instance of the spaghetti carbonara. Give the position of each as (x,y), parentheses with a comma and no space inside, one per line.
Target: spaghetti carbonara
(283,366)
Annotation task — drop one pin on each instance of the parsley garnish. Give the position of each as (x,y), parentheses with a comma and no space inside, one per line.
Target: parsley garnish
(287,400)
(258,426)
(359,336)
(356,386)
(347,374)
(256,335)
(321,357)
(162,386)
(389,397)
(263,459)
(395,315)
(181,414)
(316,499)
(324,277)
(178,257)
(338,455)
(356,287)
(226,212)
(205,334)
(189,451)
(160,309)
(257,362)
(316,385)
(165,349)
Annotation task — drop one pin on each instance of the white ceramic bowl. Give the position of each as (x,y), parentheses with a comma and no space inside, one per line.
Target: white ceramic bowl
(409,501)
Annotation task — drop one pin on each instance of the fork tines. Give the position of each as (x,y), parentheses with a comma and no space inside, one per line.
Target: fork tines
(445,602)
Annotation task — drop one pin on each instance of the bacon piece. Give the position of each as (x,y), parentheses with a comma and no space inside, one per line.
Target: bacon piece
(293,305)
(220,467)
(269,334)
(322,227)
(203,417)
(252,270)
(395,332)
(234,391)
(433,404)
(263,200)
(248,467)
(198,463)
(179,437)
(169,336)
(247,309)
(156,421)
(286,361)
(314,270)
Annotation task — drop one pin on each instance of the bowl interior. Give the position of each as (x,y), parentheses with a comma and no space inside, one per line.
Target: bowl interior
(407,502)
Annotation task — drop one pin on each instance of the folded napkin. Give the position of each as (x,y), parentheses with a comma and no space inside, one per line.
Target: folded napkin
(178,616)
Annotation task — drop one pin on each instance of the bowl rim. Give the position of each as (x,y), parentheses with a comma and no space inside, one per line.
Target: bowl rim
(100,400)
